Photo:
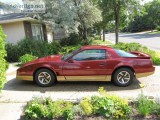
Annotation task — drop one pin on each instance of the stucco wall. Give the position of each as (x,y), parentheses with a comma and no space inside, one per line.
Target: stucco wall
(14,31)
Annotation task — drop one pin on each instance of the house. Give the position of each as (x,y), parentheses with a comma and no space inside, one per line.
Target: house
(18,26)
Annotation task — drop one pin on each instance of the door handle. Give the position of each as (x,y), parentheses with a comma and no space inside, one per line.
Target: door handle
(88,67)
(102,64)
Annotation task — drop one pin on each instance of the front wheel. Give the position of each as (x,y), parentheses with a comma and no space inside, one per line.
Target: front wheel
(123,77)
(44,78)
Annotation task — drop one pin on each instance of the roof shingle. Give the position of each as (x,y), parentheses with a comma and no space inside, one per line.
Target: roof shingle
(12,16)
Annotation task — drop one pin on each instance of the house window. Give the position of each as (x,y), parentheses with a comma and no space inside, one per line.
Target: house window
(1,11)
(37,32)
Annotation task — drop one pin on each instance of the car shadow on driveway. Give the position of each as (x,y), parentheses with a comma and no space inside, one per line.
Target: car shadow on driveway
(16,85)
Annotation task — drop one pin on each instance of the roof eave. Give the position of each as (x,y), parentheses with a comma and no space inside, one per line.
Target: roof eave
(17,20)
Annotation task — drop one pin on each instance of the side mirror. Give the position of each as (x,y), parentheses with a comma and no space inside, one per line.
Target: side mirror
(70,61)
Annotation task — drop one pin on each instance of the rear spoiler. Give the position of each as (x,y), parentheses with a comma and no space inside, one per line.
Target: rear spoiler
(140,54)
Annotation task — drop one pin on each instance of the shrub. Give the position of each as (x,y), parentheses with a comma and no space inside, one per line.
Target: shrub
(3,64)
(26,58)
(13,52)
(59,107)
(110,106)
(146,106)
(100,42)
(87,42)
(7,65)
(34,47)
(73,39)
(38,108)
(54,48)
(69,114)
(46,108)
(87,106)
(97,37)
(68,49)
(138,47)
(158,28)
(129,46)
(78,110)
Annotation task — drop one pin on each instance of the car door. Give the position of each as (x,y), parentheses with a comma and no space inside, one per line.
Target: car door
(87,65)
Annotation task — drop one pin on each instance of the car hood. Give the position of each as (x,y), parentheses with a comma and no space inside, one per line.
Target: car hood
(53,58)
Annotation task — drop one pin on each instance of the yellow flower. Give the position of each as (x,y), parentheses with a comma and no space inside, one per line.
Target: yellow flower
(142,85)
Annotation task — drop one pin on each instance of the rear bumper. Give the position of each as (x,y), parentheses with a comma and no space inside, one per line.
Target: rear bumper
(147,72)
(139,75)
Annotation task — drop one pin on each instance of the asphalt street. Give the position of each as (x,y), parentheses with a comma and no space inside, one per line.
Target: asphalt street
(152,41)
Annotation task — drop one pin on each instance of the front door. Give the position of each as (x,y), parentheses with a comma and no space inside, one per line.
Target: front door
(87,65)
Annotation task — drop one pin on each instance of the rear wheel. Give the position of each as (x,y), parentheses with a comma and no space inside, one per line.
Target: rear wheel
(44,78)
(123,77)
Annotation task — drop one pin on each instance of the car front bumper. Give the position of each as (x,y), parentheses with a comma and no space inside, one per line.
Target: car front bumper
(27,78)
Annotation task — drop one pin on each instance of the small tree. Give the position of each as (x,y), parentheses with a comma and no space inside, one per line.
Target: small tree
(87,14)
(2,60)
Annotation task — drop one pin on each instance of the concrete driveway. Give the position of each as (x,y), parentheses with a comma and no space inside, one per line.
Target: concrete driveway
(23,91)
(150,40)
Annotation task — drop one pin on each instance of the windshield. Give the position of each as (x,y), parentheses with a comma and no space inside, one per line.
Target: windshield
(65,57)
(124,54)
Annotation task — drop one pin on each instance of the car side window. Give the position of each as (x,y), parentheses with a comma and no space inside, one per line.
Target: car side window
(90,55)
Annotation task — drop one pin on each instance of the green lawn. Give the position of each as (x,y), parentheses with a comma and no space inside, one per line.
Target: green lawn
(101,42)
(154,32)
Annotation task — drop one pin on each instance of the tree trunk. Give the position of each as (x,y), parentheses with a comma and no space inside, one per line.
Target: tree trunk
(103,35)
(100,36)
(116,13)
(117,30)
(85,34)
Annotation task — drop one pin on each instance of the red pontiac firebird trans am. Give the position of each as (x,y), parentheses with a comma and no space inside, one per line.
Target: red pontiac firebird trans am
(89,63)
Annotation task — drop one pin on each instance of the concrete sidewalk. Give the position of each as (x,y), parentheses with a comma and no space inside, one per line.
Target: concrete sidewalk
(11,111)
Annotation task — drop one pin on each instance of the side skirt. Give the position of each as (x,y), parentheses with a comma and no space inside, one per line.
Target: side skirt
(84,78)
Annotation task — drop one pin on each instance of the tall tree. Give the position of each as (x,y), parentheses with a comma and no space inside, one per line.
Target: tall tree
(148,20)
(153,12)
(60,14)
(115,10)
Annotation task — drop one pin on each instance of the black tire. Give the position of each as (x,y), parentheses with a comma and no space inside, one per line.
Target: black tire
(123,77)
(44,78)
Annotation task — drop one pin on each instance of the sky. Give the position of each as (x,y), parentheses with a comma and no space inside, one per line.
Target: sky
(20,1)
(9,1)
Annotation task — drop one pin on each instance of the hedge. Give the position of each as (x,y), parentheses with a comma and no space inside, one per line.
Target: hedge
(3,63)
(29,46)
